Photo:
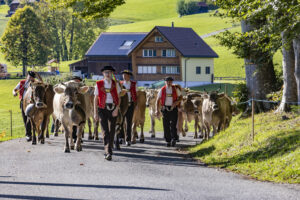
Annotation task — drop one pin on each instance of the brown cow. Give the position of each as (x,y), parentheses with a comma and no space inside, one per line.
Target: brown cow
(139,117)
(69,108)
(216,111)
(38,106)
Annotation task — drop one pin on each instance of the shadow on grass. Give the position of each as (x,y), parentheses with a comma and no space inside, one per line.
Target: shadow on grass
(204,151)
(277,145)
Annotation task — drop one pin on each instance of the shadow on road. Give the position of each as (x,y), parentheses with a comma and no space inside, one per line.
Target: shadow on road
(83,185)
(10,196)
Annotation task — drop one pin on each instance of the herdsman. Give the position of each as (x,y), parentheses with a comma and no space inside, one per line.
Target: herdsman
(22,86)
(131,88)
(106,105)
(169,97)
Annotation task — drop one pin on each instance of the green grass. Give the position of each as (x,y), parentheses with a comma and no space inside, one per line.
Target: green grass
(229,87)
(3,19)
(273,156)
(138,10)
(201,23)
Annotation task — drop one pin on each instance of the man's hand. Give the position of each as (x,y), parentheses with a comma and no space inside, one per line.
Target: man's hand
(15,94)
(115,112)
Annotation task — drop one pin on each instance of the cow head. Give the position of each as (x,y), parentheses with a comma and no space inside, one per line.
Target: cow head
(38,94)
(213,99)
(151,96)
(70,94)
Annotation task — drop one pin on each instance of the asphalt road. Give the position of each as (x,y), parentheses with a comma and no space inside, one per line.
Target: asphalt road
(142,171)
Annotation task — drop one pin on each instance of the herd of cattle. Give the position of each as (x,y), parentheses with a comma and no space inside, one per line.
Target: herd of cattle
(71,105)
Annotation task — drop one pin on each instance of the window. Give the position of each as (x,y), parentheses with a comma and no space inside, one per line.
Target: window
(170,70)
(207,70)
(128,43)
(198,70)
(168,53)
(147,69)
(149,53)
(159,39)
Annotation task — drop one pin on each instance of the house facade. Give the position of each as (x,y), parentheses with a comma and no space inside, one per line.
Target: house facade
(164,51)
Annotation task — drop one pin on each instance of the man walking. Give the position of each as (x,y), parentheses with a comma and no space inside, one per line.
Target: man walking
(169,98)
(106,106)
(21,88)
(132,97)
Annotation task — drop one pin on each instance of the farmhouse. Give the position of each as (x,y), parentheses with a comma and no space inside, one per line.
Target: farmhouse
(164,51)
(14,5)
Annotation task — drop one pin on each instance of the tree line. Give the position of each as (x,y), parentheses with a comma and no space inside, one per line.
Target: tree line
(39,32)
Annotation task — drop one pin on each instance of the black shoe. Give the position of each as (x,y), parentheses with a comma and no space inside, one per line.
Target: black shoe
(128,143)
(168,144)
(173,143)
(28,138)
(107,157)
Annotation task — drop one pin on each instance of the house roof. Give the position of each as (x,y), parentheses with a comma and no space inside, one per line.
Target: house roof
(112,44)
(18,2)
(202,4)
(187,42)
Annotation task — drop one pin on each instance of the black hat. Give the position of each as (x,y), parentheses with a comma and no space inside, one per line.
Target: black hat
(108,68)
(31,73)
(127,71)
(76,78)
(169,78)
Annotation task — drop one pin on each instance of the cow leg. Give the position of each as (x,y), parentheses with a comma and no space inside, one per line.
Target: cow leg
(56,127)
(80,130)
(71,136)
(33,130)
(196,127)
(67,135)
(117,141)
(90,129)
(44,126)
(152,127)
(96,133)
(142,138)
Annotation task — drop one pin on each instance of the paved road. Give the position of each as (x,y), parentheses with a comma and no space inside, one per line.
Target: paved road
(143,171)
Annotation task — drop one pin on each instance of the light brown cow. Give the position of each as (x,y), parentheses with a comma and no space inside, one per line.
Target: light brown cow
(69,108)
(139,117)
(216,111)
(151,96)
(38,106)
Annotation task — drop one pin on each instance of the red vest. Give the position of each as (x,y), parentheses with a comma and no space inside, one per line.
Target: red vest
(102,93)
(132,90)
(21,89)
(164,94)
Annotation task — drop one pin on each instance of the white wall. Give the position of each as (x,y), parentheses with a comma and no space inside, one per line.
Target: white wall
(191,65)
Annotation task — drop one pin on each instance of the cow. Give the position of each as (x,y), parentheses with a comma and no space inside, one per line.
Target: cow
(89,99)
(69,108)
(151,96)
(38,106)
(139,117)
(216,111)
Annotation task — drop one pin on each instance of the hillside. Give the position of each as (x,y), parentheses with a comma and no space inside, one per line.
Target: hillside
(273,156)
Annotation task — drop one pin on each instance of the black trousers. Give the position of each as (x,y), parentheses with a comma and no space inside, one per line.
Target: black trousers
(26,123)
(169,123)
(128,117)
(108,123)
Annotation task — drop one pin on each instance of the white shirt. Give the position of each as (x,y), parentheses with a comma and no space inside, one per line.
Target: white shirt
(107,85)
(127,85)
(169,98)
(26,85)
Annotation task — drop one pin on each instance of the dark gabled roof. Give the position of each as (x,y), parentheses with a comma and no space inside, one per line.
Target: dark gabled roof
(187,42)
(110,44)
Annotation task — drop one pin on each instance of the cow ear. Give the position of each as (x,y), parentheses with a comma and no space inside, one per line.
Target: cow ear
(83,89)
(221,95)
(59,90)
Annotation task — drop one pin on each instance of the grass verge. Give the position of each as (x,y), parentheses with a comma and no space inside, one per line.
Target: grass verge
(274,155)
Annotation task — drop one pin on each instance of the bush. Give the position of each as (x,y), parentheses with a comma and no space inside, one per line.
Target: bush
(240,94)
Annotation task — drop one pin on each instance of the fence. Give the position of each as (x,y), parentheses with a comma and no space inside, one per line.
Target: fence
(230,78)
(11,124)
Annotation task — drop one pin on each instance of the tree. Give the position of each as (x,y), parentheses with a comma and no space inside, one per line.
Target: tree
(280,28)
(25,39)
(91,9)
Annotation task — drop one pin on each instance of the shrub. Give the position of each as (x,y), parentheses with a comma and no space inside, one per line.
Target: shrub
(240,94)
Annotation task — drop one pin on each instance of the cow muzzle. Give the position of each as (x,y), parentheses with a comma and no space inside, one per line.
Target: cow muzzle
(69,105)
(215,107)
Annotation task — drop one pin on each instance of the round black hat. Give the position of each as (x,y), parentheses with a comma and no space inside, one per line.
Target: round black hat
(169,78)
(127,71)
(108,68)
(32,74)
(76,78)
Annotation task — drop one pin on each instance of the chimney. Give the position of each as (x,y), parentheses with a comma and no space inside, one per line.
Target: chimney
(172,24)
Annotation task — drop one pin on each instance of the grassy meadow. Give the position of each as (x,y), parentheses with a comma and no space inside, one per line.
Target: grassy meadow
(274,155)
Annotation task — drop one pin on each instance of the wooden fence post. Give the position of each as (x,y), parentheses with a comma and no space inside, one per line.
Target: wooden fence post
(11,133)
(252,119)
